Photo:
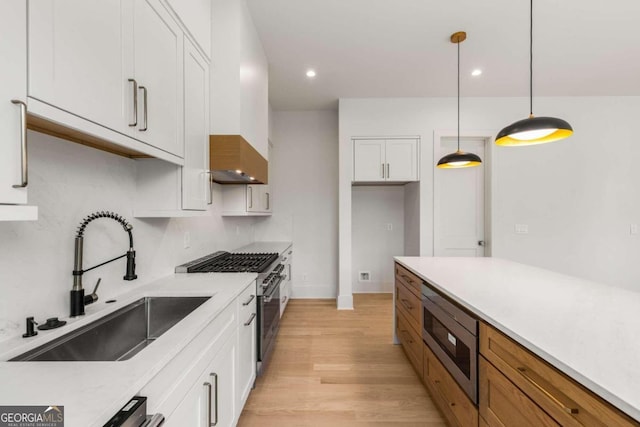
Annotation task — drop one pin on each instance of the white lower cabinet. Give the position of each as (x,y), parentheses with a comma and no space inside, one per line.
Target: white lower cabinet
(211,399)
(209,381)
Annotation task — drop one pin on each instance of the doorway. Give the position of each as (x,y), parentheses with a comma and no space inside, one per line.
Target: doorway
(461,208)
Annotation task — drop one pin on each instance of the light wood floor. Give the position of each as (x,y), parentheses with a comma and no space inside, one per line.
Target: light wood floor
(339,368)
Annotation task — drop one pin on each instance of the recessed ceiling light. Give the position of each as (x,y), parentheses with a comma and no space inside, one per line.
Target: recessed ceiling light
(311,73)
(476,72)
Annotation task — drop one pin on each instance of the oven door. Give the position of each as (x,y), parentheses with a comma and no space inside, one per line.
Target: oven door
(453,345)
(269,321)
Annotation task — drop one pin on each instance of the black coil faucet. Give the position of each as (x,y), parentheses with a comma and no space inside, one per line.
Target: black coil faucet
(78,299)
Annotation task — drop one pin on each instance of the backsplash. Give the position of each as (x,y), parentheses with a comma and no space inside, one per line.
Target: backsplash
(67,182)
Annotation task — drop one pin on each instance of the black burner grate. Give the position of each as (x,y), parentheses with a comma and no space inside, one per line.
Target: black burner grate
(235,263)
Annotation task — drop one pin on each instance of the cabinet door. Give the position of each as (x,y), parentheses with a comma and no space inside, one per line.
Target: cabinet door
(195,182)
(254,198)
(247,351)
(13,51)
(80,58)
(368,160)
(158,42)
(222,376)
(211,398)
(401,159)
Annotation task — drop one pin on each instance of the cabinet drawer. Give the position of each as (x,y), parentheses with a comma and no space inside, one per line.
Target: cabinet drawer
(410,306)
(453,402)
(503,404)
(561,397)
(411,342)
(410,280)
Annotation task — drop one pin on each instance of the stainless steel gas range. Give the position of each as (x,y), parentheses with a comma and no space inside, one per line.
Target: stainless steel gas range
(269,267)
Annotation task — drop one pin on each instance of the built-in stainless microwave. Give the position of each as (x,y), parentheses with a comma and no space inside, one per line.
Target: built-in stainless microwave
(452,335)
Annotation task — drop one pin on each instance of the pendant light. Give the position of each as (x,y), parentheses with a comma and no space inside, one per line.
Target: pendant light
(533,130)
(459,159)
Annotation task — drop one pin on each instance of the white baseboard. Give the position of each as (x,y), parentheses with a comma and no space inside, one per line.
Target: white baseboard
(372,288)
(345,302)
(312,292)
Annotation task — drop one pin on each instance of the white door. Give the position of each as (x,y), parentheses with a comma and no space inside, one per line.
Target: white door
(368,160)
(401,157)
(459,208)
(158,69)
(13,54)
(80,58)
(195,181)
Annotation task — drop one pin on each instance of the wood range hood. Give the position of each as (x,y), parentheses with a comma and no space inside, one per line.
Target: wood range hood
(233,160)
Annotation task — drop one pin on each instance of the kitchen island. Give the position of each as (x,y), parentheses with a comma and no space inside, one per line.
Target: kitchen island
(587,331)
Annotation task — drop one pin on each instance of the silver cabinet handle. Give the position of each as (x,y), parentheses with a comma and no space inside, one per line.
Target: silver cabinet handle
(249,300)
(388,172)
(209,174)
(207,385)
(250,197)
(382,170)
(214,376)
(24,166)
(144,104)
(135,103)
(248,322)
(268,201)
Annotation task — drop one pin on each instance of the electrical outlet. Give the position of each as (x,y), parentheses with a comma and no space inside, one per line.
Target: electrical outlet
(364,276)
(187,239)
(522,229)
(633,228)
(389,226)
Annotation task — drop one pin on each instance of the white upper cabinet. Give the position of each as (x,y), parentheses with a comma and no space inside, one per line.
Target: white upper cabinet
(195,179)
(196,17)
(258,198)
(159,76)
(13,99)
(110,69)
(77,58)
(240,78)
(385,160)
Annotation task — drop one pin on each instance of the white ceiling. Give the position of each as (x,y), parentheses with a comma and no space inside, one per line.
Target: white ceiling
(400,48)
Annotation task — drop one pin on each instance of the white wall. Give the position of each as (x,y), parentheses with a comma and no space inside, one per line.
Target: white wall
(578,196)
(375,208)
(304,180)
(67,182)
(412,219)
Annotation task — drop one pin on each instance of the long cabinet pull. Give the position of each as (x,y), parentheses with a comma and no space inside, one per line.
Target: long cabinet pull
(246,303)
(250,197)
(268,201)
(144,105)
(214,377)
(529,376)
(383,171)
(24,165)
(207,386)
(248,322)
(388,172)
(209,176)
(135,103)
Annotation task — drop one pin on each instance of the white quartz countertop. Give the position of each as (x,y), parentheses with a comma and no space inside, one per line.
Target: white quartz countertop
(587,330)
(265,247)
(92,392)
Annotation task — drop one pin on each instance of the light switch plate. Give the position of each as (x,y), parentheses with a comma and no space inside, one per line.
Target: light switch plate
(633,228)
(522,229)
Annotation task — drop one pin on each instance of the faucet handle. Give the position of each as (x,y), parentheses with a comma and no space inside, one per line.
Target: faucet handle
(93,296)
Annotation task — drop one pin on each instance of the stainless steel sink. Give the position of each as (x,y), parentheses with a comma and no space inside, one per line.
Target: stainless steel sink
(119,335)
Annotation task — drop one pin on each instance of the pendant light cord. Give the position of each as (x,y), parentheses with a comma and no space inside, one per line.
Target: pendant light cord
(458,96)
(531,59)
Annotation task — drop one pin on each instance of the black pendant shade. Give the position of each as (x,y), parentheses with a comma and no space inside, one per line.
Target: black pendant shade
(459,159)
(533,130)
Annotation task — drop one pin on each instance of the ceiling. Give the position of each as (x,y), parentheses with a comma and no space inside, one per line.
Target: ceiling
(401,48)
